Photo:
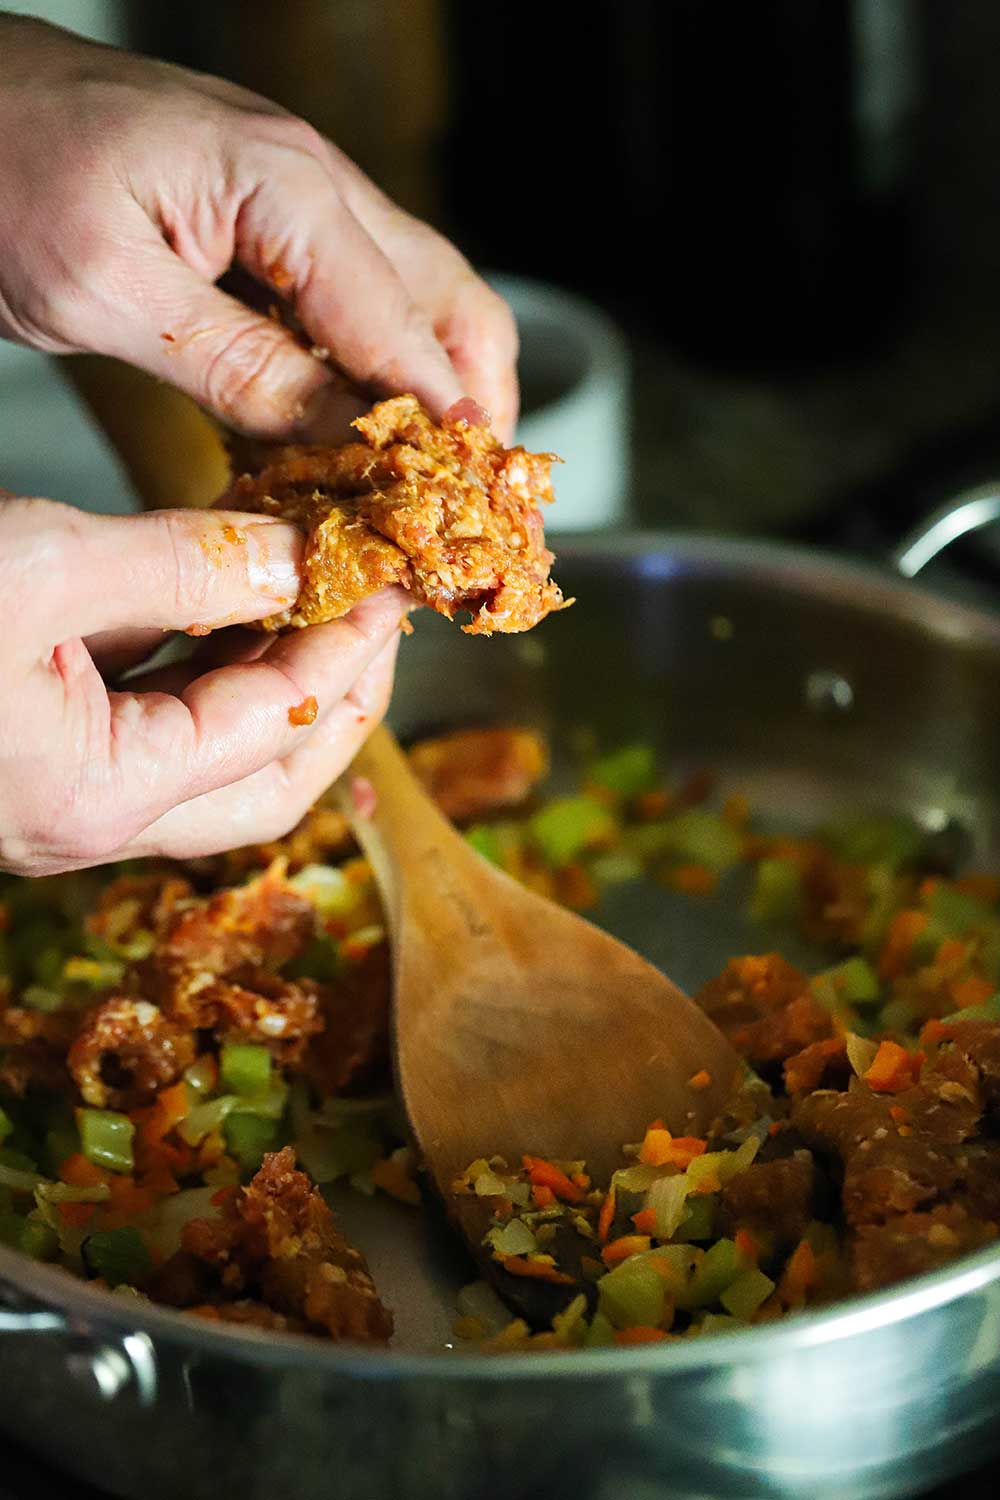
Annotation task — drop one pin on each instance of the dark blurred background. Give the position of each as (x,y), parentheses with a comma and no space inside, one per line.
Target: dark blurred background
(792,207)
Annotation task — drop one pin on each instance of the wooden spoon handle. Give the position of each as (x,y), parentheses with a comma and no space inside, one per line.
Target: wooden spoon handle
(416,854)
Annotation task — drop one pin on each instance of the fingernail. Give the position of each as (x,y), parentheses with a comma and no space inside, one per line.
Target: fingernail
(467,410)
(274,559)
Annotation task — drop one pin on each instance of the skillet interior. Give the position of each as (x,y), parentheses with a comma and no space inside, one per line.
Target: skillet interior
(812,687)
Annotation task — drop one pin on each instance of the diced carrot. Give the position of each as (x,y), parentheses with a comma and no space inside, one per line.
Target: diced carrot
(581,1180)
(904,929)
(971,991)
(621,1248)
(905,1129)
(78,1171)
(537,1270)
(735,810)
(927,887)
(746,1244)
(693,880)
(544,1173)
(542,1196)
(655,1149)
(640,1334)
(952,951)
(701,1080)
(393,1178)
(645,1221)
(168,1109)
(899,1113)
(801,1274)
(985,888)
(934,1031)
(650,805)
(606,1217)
(698,788)
(684,1149)
(775,1127)
(576,888)
(76,1215)
(893,1069)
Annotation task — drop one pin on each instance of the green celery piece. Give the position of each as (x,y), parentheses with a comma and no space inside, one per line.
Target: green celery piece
(880,886)
(245,1069)
(702,837)
(328,888)
(39,1240)
(118,1256)
(869,840)
(747,1293)
(682,1261)
(628,772)
(320,960)
(720,1268)
(958,913)
(697,1223)
(486,841)
(106,1138)
(18,1161)
(988,1011)
(6,1125)
(248,1137)
(777,891)
(632,1295)
(600,1333)
(854,981)
(716,1323)
(565,827)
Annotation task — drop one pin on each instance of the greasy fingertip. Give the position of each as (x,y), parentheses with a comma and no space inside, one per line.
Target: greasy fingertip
(468,410)
(328,416)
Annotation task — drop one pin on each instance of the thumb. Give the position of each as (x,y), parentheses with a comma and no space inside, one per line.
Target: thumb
(169,569)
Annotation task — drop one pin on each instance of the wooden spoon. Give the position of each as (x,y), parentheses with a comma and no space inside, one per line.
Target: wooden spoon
(519,1027)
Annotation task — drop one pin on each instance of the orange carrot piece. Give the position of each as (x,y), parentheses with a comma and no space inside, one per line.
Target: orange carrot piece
(537,1270)
(655,1148)
(746,1244)
(701,1080)
(76,1215)
(693,880)
(801,1274)
(542,1196)
(640,1333)
(650,805)
(544,1173)
(904,929)
(951,951)
(971,991)
(684,1149)
(984,888)
(645,1221)
(607,1214)
(394,1179)
(78,1171)
(893,1069)
(933,1031)
(621,1248)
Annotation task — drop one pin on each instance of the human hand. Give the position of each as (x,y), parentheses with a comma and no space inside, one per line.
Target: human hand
(203,756)
(128,187)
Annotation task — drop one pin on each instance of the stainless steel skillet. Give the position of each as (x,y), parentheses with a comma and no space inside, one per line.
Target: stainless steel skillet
(810,683)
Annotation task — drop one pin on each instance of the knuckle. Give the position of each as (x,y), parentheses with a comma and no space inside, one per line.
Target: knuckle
(190,566)
(249,378)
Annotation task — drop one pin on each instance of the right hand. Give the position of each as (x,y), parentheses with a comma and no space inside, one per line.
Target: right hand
(200,757)
(127,188)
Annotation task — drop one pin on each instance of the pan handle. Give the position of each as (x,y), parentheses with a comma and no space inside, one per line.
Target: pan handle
(39,1321)
(968,512)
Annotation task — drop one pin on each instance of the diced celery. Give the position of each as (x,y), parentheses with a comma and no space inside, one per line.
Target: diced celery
(853,981)
(667,1197)
(106,1138)
(627,772)
(565,827)
(320,959)
(702,837)
(676,1265)
(248,1137)
(38,1240)
(777,891)
(988,1011)
(880,886)
(873,839)
(697,1223)
(328,889)
(632,1295)
(96,973)
(329,1154)
(6,1125)
(720,1268)
(747,1293)
(118,1256)
(17,1161)
(41,997)
(206,1118)
(245,1070)
(600,1333)
(957,912)
(202,1074)
(571,1323)
(512,1238)
(722,1164)
(715,1323)
(486,841)
(615,869)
